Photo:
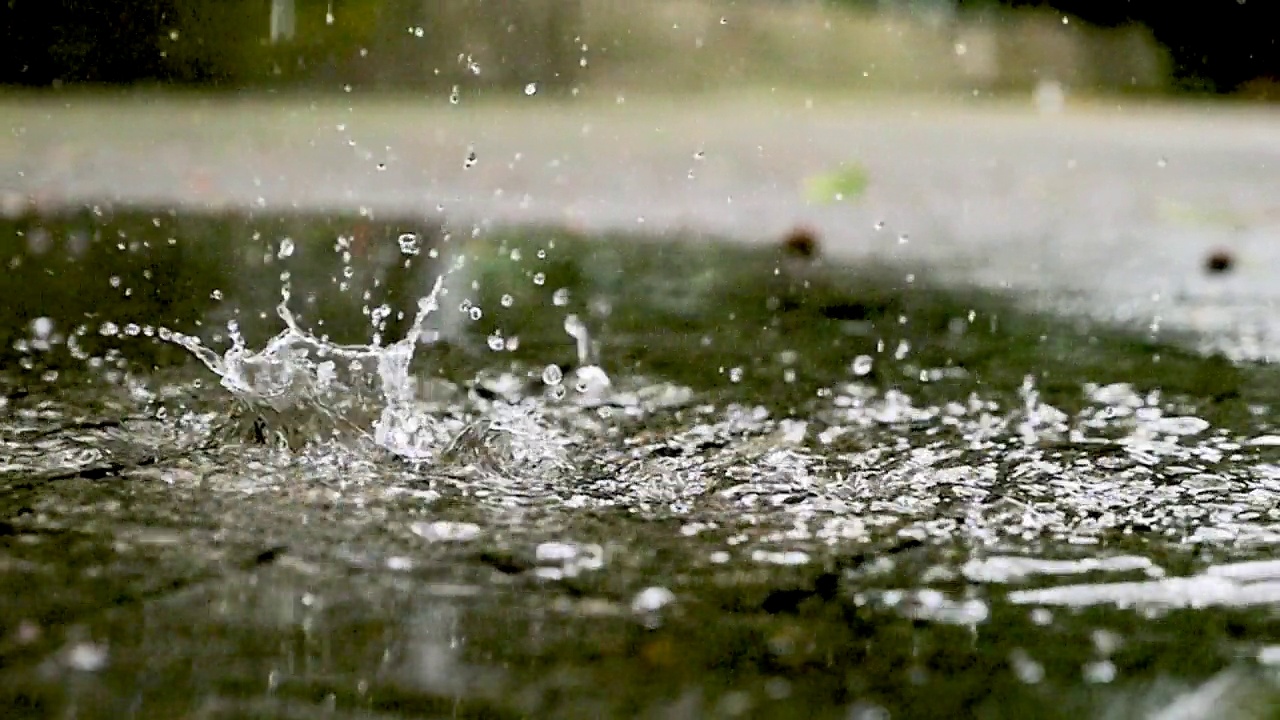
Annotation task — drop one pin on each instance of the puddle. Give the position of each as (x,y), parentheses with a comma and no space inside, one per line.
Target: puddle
(280,466)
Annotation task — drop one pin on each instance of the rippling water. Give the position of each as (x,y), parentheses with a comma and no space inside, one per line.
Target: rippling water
(607,477)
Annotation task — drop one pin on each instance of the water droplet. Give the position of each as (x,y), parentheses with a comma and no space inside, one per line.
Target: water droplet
(552,375)
(508,301)
(42,327)
(454,95)
(561,297)
(539,278)
(735,375)
(496,342)
(216,294)
(470,162)
(409,244)
(286,248)
(531,89)
(861,365)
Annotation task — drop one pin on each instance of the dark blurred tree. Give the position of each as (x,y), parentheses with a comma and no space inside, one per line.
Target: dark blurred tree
(1216,45)
(400,44)
(107,41)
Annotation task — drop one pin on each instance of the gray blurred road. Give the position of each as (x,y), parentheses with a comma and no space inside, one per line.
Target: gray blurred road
(1109,209)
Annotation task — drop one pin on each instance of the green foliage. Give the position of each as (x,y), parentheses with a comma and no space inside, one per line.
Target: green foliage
(845,184)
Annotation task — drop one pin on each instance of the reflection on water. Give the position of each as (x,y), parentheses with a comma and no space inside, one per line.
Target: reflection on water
(697,486)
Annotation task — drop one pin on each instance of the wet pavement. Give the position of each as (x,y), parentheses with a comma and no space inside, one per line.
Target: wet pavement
(835,487)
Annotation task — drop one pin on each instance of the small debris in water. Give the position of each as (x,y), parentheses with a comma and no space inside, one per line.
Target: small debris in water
(801,243)
(1219,262)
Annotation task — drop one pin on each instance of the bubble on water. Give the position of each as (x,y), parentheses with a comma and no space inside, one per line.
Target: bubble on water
(1099,672)
(652,599)
(735,375)
(904,347)
(507,300)
(552,375)
(454,95)
(476,313)
(788,375)
(108,329)
(862,365)
(531,88)
(539,278)
(903,239)
(408,244)
(42,327)
(560,297)
(591,381)
(216,294)
(542,254)
(497,343)
(1162,162)
(286,248)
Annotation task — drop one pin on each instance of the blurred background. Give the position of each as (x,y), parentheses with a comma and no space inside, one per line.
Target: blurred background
(1225,47)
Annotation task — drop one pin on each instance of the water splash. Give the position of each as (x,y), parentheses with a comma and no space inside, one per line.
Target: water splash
(297,371)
